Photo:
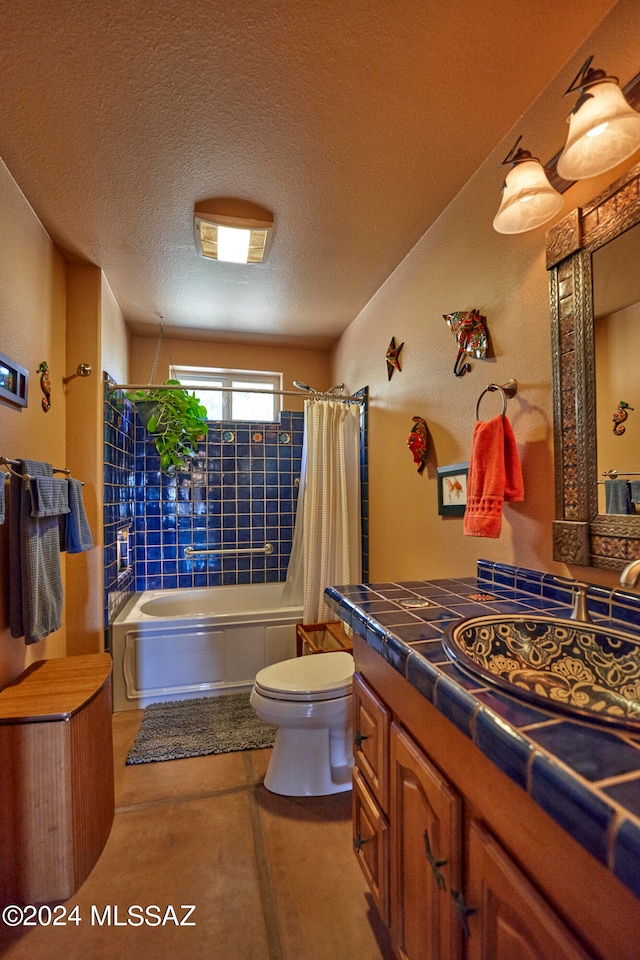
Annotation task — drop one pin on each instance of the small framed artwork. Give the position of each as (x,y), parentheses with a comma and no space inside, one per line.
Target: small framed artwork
(452,489)
(14,381)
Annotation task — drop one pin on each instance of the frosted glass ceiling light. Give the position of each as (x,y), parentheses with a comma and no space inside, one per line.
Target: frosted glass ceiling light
(528,199)
(231,239)
(603,128)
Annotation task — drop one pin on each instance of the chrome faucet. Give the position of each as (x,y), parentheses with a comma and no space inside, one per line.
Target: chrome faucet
(580,611)
(630,575)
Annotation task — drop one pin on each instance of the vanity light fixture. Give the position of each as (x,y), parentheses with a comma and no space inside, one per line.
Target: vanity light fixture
(603,128)
(231,239)
(528,199)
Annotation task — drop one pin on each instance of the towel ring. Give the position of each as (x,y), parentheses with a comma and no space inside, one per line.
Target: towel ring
(507,391)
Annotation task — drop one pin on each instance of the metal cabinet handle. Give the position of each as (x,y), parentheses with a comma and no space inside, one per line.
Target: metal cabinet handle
(463,911)
(434,864)
(358,738)
(359,841)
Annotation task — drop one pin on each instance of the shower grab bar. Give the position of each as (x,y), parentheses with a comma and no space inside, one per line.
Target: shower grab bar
(192,551)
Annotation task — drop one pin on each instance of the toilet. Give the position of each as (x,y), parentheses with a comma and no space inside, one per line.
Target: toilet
(309,700)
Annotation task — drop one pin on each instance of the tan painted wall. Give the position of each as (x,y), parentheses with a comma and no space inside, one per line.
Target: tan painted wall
(462,263)
(32,325)
(115,337)
(84,597)
(309,366)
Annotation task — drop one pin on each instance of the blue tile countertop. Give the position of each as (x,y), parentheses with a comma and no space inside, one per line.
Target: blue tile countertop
(584,776)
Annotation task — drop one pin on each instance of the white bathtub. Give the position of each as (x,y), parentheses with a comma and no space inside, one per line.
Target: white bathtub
(176,644)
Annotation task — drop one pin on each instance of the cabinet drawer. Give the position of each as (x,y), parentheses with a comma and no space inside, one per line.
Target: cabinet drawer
(371,721)
(371,843)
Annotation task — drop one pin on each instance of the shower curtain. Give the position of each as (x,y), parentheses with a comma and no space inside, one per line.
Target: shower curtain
(326,548)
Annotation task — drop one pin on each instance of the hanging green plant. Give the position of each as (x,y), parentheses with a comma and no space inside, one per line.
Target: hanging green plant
(175,420)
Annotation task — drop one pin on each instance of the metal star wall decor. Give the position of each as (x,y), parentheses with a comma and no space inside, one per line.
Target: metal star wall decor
(393,357)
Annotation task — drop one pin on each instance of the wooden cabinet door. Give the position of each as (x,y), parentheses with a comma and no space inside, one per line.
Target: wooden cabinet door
(371,721)
(426,829)
(511,920)
(371,843)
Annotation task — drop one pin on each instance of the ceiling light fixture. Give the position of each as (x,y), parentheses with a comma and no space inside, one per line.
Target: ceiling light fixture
(528,199)
(603,128)
(232,239)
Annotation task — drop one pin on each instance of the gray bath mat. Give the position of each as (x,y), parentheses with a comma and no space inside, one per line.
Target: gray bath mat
(196,728)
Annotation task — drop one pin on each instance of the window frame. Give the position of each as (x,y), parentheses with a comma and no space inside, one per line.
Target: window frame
(225,376)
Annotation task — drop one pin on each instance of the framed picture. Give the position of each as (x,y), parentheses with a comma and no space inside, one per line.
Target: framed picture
(452,489)
(14,381)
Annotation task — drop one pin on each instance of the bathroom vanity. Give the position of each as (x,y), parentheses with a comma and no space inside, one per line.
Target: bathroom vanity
(477,835)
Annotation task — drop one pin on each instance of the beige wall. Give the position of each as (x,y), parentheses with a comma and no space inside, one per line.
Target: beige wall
(115,336)
(309,366)
(32,312)
(462,263)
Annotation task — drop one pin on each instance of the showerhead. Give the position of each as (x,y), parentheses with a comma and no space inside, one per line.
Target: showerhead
(305,386)
(299,385)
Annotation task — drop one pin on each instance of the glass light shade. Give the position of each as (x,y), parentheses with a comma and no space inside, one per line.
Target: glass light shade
(528,199)
(603,132)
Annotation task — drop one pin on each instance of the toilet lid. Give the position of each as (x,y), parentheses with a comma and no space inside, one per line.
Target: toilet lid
(320,677)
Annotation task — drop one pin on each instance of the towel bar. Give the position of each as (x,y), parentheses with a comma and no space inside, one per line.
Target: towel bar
(10,464)
(507,390)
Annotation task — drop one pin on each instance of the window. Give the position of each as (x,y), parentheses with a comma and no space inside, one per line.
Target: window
(235,398)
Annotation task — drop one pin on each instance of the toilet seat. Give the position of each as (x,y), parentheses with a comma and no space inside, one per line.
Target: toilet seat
(325,676)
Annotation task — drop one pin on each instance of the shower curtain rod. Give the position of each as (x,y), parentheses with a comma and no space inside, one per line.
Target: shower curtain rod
(278,393)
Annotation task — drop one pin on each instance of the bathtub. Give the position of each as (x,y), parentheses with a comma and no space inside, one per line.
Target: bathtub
(177,644)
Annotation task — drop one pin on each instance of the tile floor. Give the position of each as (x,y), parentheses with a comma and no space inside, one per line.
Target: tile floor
(271,878)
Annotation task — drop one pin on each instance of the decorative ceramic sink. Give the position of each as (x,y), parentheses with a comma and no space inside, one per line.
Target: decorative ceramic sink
(578,668)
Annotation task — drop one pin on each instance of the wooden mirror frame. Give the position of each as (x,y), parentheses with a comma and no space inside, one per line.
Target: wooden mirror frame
(580,534)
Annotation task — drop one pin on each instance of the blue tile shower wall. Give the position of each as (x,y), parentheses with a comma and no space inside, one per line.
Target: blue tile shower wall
(241,492)
(119,495)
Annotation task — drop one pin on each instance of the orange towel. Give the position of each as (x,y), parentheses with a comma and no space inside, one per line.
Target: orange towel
(495,475)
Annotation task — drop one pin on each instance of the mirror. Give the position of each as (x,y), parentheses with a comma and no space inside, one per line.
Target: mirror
(615,270)
(591,292)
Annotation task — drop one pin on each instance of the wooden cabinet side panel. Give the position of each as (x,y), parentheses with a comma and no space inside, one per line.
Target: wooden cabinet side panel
(511,919)
(424,810)
(92,783)
(36,808)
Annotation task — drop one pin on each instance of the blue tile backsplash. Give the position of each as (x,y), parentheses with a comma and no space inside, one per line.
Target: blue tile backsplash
(241,492)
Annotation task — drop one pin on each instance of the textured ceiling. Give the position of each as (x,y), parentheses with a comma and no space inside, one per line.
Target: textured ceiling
(355,121)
